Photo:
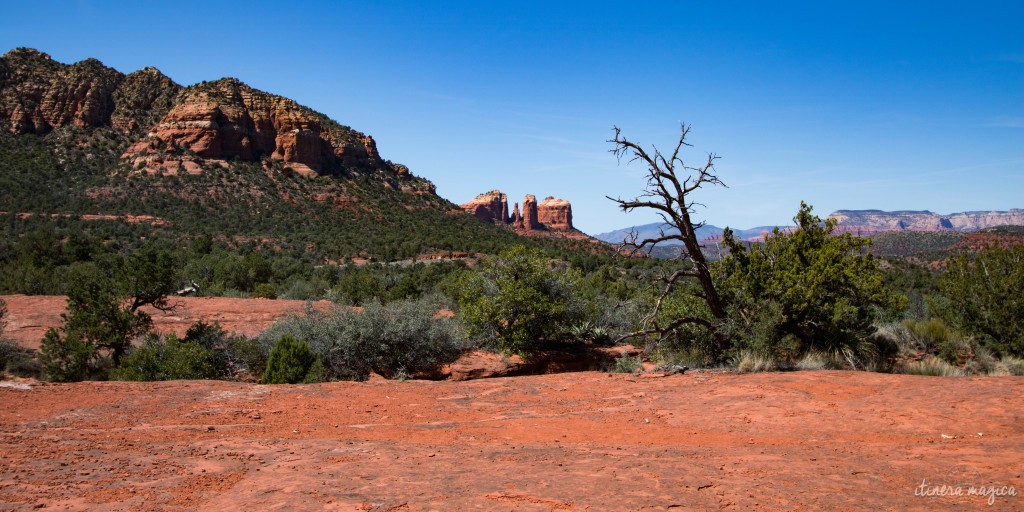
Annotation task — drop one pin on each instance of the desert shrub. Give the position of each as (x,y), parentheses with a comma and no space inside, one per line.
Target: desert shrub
(818,360)
(750,362)
(246,355)
(930,335)
(690,342)
(981,297)
(265,291)
(167,358)
(18,360)
(627,364)
(290,362)
(981,362)
(802,289)
(1012,365)
(398,339)
(932,366)
(68,358)
(521,299)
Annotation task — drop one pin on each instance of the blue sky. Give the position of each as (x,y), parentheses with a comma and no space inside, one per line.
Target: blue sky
(843,105)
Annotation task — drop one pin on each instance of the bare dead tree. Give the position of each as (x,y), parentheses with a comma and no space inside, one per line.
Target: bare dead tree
(670,184)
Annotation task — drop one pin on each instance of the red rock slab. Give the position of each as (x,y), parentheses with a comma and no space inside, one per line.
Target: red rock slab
(29,316)
(831,440)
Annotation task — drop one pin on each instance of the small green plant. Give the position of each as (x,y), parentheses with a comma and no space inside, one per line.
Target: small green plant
(931,335)
(581,331)
(627,364)
(290,362)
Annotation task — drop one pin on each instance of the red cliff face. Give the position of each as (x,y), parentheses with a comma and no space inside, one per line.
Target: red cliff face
(227,119)
(550,215)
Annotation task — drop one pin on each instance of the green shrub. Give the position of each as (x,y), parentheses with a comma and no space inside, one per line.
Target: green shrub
(521,299)
(981,296)
(246,355)
(167,358)
(264,291)
(290,361)
(398,339)
(801,289)
(69,359)
(18,360)
(929,336)
(627,364)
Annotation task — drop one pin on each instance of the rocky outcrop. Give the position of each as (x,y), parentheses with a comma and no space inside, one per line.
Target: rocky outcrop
(143,98)
(550,215)
(171,127)
(871,221)
(555,213)
(227,119)
(38,94)
(530,220)
(490,207)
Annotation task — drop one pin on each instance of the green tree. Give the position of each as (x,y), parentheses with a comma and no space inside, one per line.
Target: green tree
(521,298)
(982,296)
(801,289)
(103,313)
(291,362)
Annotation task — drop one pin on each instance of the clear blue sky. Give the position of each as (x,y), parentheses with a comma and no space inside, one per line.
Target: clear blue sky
(852,105)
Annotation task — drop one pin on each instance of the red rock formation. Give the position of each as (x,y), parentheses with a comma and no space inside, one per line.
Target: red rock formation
(555,214)
(216,121)
(227,119)
(550,215)
(530,221)
(38,94)
(490,206)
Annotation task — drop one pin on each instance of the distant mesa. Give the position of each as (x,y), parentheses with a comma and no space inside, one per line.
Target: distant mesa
(877,221)
(551,214)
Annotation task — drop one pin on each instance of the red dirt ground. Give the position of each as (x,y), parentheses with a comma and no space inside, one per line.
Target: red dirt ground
(580,441)
(29,316)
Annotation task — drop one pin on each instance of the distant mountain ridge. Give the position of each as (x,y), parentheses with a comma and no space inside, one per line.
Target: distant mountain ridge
(864,222)
(876,221)
(706,232)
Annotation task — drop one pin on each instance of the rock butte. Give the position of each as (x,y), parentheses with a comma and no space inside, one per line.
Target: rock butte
(551,214)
